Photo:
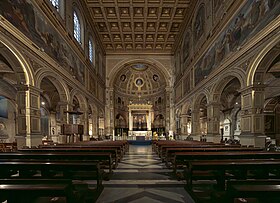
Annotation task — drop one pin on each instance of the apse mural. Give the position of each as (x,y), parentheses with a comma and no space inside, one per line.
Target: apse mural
(253,17)
(30,21)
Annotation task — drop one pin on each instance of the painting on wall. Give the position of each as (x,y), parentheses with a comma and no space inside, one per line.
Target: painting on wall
(178,92)
(199,24)
(220,8)
(92,84)
(187,84)
(31,22)
(269,124)
(177,63)
(3,107)
(186,46)
(254,16)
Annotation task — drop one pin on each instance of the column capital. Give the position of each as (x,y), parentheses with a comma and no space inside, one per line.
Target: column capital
(21,87)
(255,87)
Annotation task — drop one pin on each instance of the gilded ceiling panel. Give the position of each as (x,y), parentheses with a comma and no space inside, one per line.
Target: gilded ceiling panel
(138,25)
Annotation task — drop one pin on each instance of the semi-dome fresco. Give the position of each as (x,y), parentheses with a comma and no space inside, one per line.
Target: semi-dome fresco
(140,80)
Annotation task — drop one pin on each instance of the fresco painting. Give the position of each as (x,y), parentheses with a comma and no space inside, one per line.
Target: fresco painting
(187,83)
(186,46)
(254,16)
(199,24)
(23,15)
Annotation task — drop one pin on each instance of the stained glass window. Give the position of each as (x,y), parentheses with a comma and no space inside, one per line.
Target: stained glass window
(77,27)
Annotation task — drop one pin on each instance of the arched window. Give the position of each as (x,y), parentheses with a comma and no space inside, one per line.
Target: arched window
(77,27)
(59,6)
(90,50)
(56,4)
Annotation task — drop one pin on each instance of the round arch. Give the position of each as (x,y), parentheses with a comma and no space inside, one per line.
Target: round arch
(81,99)
(186,107)
(199,98)
(218,88)
(256,64)
(24,70)
(57,82)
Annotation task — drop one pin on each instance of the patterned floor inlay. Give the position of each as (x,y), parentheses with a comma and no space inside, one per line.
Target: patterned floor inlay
(142,177)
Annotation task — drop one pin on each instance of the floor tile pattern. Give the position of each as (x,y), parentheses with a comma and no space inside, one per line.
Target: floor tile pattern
(142,177)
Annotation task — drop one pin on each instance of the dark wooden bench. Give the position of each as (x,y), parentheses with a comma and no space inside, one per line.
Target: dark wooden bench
(77,170)
(220,167)
(164,148)
(106,157)
(27,190)
(183,158)
(263,190)
(116,151)
(170,152)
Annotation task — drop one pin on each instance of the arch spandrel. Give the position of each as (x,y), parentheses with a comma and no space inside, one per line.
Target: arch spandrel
(23,70)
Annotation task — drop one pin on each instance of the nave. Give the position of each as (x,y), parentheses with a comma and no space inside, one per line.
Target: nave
(142,177)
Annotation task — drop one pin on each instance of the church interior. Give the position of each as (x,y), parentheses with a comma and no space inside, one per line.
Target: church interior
(139,101)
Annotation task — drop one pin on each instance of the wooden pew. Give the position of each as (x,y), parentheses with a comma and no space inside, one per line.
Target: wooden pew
(115,150)
(107,156)
(27,190)
(183,158)
(190,144)
(57,170)
(265,190)
(170,152)
(263,166)
(100,157)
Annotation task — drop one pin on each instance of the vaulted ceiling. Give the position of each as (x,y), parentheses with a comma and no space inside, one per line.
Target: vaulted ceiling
(138,25)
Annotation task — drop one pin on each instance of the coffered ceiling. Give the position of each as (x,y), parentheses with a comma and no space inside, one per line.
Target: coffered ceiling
(138,25)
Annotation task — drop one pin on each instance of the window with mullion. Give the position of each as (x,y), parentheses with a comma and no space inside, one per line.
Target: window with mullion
(90,50)
(56,4)
(77,27)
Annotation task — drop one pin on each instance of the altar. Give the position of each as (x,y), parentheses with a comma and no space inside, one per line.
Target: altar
(139,135)
(140,122)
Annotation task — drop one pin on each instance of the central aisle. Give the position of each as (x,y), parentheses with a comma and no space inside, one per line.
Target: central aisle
(142,177)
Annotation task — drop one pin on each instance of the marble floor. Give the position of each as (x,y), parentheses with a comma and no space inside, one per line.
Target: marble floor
(142,177)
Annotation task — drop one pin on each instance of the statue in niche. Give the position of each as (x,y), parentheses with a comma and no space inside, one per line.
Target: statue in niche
(122,78)
(155,77)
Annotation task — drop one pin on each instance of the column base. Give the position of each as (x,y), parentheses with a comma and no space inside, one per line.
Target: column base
(21,141)
(183,137)
(257,140)
(33,140)
(215,138)
(195,137)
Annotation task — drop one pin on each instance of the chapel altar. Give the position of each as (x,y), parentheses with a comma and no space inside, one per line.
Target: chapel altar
(140,121)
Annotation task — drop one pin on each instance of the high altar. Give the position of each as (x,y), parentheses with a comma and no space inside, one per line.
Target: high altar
(140,121)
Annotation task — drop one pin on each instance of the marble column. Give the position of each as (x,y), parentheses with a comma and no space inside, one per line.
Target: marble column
(213,122)
(29,123)
(149,122)
(109,112)
(184,126)
(130,117)
(252,118)
(170,117)
(196,132)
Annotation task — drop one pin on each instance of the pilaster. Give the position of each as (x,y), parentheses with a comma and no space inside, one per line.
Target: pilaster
(252,118)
